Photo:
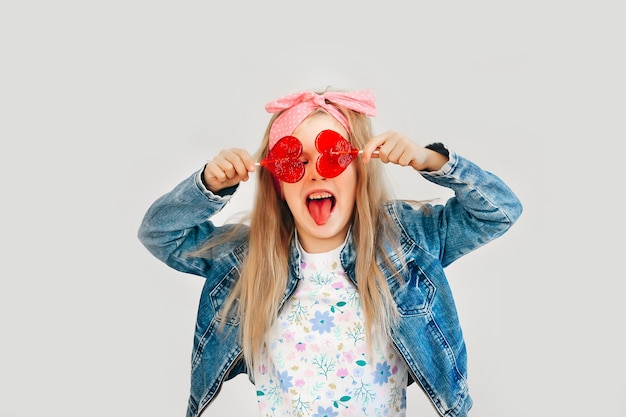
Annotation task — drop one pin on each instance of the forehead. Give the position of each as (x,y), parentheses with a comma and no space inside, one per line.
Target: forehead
(315,123)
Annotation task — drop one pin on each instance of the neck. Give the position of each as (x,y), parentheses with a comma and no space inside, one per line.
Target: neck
(312,244)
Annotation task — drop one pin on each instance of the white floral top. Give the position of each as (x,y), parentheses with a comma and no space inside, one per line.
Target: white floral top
(316,363)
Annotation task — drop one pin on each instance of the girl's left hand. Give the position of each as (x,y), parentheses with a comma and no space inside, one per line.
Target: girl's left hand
(398,149)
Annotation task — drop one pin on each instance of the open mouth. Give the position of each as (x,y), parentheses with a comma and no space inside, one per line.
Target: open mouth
(320,205)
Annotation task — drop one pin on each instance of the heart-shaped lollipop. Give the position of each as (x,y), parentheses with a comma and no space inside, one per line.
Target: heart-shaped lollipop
(336,153)
(283,160)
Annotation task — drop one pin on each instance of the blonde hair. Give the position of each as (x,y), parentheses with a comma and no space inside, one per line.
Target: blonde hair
(265,272)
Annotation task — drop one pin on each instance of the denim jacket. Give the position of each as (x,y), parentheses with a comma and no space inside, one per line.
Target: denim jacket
(427,335)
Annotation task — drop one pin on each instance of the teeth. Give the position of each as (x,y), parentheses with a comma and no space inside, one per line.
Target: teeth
(319,196)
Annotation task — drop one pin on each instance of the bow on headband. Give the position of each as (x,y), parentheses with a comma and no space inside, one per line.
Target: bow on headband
(298,106)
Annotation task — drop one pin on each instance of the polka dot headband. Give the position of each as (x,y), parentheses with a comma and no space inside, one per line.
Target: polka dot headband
(298,106)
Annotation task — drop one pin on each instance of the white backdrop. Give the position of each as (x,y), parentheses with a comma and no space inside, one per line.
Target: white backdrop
(104,106)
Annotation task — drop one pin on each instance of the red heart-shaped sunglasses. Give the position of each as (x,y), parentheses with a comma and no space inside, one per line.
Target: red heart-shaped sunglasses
(336,153)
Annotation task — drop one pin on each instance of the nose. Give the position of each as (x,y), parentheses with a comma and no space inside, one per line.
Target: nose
(311,170)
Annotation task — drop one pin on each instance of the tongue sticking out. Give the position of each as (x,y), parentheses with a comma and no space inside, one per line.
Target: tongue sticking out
(320,210)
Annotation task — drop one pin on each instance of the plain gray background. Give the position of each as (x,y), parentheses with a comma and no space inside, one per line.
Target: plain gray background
(104,106)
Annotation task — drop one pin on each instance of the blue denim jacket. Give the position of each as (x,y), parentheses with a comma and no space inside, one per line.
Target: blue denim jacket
(428,334)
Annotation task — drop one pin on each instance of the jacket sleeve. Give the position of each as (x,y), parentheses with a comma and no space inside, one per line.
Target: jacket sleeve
(179,222)
(483,208)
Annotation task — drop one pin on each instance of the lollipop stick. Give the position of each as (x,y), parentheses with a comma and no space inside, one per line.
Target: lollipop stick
(268,161)
(375,154)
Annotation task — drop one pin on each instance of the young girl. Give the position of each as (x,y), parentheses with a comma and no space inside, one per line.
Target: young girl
(331,297)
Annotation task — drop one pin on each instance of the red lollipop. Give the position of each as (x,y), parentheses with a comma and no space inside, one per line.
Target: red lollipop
(283,160)
(336,153)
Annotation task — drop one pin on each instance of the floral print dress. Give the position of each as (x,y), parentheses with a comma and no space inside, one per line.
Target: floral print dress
(316,363)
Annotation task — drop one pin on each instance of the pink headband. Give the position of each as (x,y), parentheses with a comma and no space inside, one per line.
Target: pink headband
(298,106)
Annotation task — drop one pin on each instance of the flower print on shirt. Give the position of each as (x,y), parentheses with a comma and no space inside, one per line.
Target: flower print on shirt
(356,332)
(325,412)
(285,380)
(316,362)
(298,313)
(322,322)
(382,373)
(324,364)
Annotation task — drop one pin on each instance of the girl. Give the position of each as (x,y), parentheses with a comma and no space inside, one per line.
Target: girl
(332,297)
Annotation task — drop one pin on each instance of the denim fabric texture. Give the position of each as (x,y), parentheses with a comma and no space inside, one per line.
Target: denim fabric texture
(428,334)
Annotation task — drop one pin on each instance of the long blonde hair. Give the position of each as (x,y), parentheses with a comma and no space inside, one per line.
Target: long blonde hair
(265,272)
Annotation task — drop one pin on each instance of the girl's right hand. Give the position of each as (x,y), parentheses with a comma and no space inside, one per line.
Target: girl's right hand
(228,168)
